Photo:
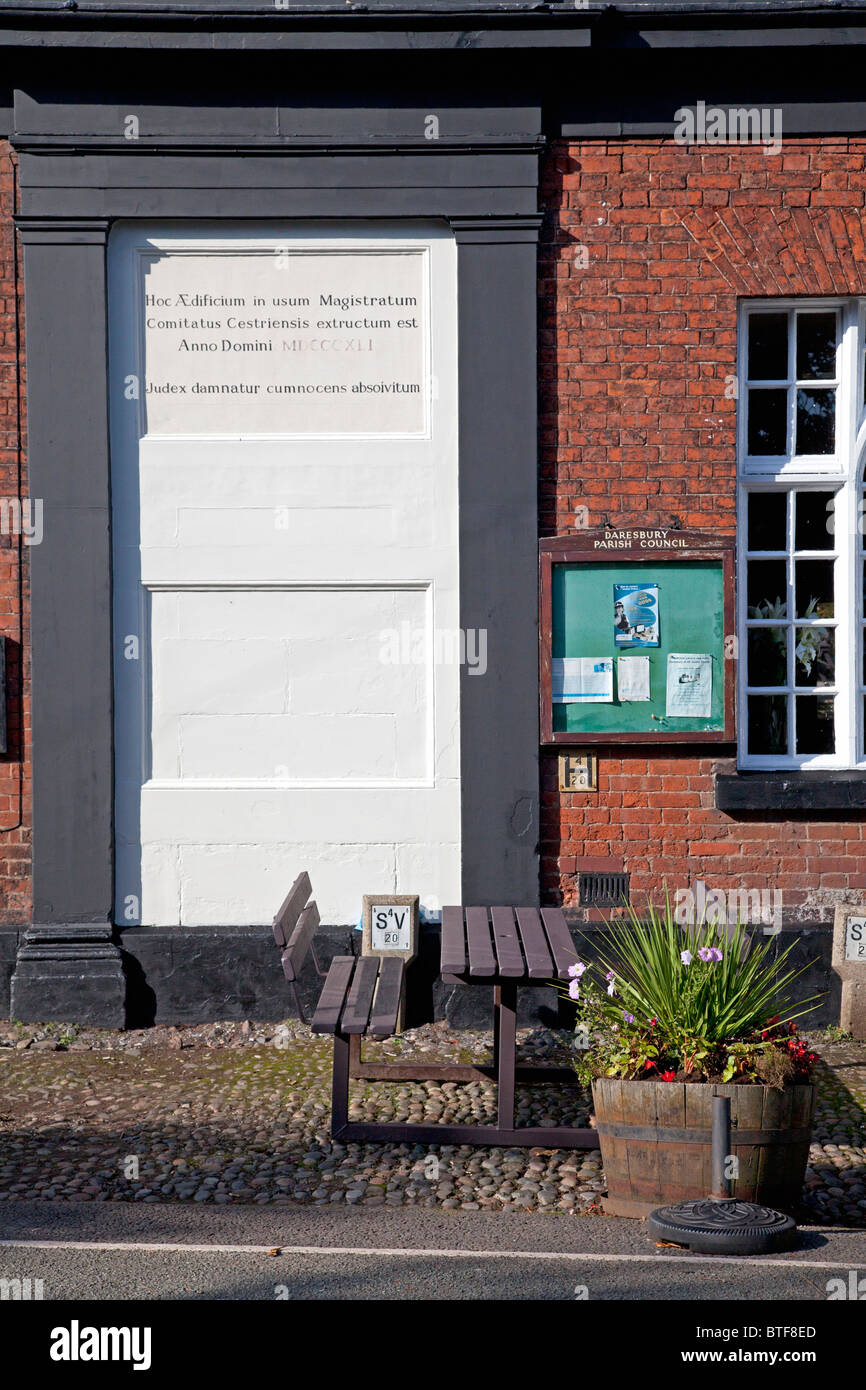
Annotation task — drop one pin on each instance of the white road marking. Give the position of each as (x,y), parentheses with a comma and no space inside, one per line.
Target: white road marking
(406,1252)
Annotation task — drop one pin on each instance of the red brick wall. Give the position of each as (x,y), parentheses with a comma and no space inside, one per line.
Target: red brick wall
(15,763)
(636,347)
(638,336)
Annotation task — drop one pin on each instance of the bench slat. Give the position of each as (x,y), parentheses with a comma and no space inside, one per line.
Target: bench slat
(482,961)
(538,959)
(295,954)
(286,918)
(389,991)
(360,997)
(507,943)
(326,1019)
(559,939)
(453,941)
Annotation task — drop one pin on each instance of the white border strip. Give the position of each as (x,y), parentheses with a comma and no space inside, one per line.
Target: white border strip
(413,1252)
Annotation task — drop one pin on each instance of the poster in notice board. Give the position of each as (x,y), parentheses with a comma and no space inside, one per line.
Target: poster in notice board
(678,686)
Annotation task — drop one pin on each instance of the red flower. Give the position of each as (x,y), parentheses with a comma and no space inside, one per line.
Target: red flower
(668,1076)
(648,1064)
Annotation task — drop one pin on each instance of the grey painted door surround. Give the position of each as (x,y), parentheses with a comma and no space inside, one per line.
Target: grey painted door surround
(74,183)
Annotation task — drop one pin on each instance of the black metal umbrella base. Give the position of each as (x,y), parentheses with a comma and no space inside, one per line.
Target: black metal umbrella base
(726,1227)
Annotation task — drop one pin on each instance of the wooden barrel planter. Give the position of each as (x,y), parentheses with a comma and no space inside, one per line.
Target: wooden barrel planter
(655,1142)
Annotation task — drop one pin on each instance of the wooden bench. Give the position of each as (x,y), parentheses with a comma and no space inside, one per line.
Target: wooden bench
(294,928)
(499,947)
(360,997)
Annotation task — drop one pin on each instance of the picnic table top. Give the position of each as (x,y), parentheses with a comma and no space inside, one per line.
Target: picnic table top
(487,944)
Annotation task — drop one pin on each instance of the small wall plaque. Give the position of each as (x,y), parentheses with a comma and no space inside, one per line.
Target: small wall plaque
(390,925)
(849,962)
(578,772)
(390,928)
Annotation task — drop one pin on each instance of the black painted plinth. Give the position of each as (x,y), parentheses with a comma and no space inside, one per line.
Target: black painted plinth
(72,974)
(137,976)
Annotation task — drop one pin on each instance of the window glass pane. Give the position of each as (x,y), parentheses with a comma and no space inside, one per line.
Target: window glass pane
(813,585)
(767,520)
(813,716)
(768,425)
(767,589)
(814,521)
(768,724)
(815,656)
(816,346)
(816,422)
(768,656)
(768,347)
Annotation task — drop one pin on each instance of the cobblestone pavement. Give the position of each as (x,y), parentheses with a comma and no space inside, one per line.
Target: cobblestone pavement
(230,1112)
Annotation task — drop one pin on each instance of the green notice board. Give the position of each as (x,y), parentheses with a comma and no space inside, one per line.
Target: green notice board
(691,596)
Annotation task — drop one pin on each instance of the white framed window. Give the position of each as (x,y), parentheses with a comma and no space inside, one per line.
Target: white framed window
(801,558)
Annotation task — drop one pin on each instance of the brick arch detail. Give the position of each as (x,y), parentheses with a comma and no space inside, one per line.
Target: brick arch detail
(780,251)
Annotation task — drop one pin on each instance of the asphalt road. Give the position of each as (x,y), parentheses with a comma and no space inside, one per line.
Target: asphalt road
(114,1251)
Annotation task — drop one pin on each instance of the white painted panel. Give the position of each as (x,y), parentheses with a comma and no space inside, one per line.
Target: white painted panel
(193,813)
(219,882)
(297,746)
(304,527)
(292,684)
(285,572)
(285,340)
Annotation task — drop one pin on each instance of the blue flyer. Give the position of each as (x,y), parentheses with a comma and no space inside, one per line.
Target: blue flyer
(636,615)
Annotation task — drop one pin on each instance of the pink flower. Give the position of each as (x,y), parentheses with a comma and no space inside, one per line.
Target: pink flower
(574,990)
(575,971)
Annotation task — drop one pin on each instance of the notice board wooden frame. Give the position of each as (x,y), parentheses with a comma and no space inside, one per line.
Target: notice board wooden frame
(656,547)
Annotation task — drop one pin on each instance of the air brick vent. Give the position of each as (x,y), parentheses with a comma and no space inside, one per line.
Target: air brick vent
(603,890)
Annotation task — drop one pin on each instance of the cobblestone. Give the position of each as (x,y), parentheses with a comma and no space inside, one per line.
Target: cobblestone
(237,1113)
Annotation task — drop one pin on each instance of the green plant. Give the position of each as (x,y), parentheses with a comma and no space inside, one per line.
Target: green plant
(835,1034)
(814,644)
(694,1002)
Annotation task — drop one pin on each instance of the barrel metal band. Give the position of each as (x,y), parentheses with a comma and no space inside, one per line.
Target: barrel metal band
(654,1135)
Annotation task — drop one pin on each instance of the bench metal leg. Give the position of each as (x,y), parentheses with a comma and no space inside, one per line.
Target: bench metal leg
(535,1136)
(505,1001)
(301,1015)
(340,1086)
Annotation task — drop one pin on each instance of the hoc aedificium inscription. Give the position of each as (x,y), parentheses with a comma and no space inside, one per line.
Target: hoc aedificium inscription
(285,342)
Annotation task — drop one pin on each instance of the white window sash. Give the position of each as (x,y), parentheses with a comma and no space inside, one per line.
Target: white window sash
(840,474)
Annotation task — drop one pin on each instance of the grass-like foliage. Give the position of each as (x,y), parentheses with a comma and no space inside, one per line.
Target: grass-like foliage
(698,1001)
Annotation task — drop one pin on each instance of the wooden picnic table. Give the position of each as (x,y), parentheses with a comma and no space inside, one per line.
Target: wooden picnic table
(502,947)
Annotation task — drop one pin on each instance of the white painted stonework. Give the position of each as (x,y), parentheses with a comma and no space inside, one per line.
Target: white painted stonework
(267,548)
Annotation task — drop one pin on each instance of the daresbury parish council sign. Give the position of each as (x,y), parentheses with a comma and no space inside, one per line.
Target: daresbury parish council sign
(285,342)
(658,538)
